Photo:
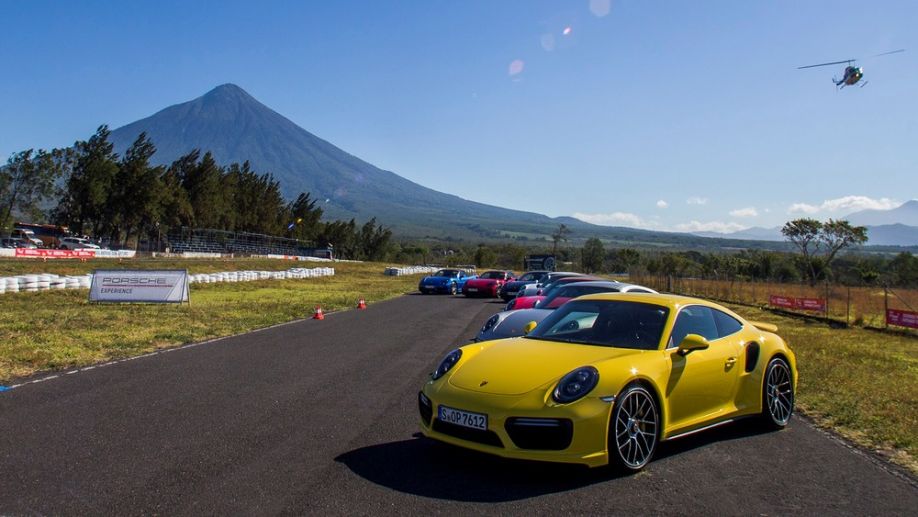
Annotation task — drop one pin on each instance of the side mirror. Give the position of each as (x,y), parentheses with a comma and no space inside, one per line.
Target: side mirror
(693,342)
(528,328)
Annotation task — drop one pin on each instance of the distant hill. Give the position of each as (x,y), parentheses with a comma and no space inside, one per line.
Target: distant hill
(905,214)
(878,235)
(756,233)
(235,127)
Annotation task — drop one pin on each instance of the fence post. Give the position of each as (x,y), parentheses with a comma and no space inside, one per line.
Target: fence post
(669,283)
(885,306)
(848,309)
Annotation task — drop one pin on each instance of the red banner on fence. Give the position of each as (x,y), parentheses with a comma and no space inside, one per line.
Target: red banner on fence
(902,318)
(803,304)
(46,253)
(781,301)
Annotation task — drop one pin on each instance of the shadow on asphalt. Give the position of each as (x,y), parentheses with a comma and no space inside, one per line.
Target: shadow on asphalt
(428,468)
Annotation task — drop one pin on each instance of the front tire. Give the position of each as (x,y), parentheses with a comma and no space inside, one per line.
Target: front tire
(634,429)
(777,394)
(453,289)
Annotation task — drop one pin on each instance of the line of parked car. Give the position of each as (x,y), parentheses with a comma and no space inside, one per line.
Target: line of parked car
(66,243)
(580,369)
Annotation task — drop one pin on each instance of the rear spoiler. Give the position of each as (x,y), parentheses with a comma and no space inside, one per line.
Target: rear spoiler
(766,327)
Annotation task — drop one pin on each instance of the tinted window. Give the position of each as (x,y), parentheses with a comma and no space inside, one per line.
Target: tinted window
(693,320)
(605,323)
(726,324)
(493,275)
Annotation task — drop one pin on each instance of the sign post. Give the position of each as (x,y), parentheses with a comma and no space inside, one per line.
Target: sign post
(127,286)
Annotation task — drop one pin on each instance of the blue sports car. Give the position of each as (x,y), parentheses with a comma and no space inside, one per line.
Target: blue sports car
(444,281)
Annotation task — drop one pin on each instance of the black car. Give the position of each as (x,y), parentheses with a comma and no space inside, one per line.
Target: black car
(509,290)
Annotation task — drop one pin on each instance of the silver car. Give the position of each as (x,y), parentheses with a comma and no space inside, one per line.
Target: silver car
(513,323)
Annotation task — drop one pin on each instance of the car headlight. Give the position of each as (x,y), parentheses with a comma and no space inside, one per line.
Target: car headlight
(576,384)
(447,364)
(491,323)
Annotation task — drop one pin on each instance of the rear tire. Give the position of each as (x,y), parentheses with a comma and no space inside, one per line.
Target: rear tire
(777,394)
(634,429)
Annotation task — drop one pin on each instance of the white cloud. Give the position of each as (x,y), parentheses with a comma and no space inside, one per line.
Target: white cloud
(710,226)
(617,219)
(855,203)
(662,204)
(695,200)
(749,211)
(802,208)
(845,204)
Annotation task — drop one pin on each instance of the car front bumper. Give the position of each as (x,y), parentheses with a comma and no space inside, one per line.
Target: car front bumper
(523,427)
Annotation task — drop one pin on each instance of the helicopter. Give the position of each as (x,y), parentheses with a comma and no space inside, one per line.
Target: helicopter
(853,73)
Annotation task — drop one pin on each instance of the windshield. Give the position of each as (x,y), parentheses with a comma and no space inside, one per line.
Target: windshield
(617,324)
(493,275)
(447,273)
(531,277)
(573,291)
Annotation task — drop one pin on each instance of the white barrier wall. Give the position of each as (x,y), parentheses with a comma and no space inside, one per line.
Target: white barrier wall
(45,282)
(410,270)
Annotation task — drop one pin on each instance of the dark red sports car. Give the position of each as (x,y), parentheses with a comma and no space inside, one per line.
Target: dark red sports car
(487,284)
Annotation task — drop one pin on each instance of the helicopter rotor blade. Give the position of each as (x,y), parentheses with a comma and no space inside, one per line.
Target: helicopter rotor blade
(890,52)
(826,64)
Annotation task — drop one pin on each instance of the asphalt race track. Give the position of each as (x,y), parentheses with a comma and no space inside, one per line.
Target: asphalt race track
(321,416)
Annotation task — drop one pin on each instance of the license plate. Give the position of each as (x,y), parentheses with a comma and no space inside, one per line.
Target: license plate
(463,418)
(473,289)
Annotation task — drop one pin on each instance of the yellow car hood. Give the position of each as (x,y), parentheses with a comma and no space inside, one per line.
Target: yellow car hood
(519,365)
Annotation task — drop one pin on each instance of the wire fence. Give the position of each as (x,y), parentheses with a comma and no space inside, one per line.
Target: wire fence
(852,305)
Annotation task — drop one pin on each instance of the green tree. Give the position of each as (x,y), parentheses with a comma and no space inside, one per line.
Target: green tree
(202,181)
(560,235)
(84,204)
(305,216)
(819,243)
(593,255)
(137,197)
(28,180)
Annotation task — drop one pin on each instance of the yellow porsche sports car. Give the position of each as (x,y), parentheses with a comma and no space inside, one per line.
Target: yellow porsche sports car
(606,377)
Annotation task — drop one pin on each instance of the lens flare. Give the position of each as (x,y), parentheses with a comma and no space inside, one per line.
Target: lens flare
(567,31)
(515,68)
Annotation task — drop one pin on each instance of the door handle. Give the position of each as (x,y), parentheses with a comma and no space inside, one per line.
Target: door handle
(730,361)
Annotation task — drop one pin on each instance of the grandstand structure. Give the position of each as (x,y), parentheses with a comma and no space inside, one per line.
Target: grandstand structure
(207,240)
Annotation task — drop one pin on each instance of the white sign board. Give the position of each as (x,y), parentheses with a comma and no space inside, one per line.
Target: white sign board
(154,286)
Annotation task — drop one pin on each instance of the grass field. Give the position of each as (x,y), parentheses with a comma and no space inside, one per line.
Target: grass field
(863,384)
(860,306)
(61,329)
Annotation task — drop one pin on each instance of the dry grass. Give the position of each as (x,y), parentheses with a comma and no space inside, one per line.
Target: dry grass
(860,383)
(61,329)
(861,306)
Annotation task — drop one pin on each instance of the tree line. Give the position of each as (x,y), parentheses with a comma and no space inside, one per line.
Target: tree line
(125,199)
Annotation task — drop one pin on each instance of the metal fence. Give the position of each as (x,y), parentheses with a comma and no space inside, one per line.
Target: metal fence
(858,305)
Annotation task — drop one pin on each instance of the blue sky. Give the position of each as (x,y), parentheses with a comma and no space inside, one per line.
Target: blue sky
(663,115)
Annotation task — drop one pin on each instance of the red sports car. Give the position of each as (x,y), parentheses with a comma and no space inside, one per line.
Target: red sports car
(487,284)
(528,302)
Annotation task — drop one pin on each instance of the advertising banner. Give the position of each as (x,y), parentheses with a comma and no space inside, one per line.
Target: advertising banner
(115,253)
(802,304)
(902,318)
(154,286)
(781,301)
(49,253)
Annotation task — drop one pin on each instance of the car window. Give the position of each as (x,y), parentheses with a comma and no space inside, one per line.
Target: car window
(694,319)
(616,324)
(726,324)
(638,290)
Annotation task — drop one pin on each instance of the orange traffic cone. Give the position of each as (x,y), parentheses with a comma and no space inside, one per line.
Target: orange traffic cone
(317,315)
(361,304)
